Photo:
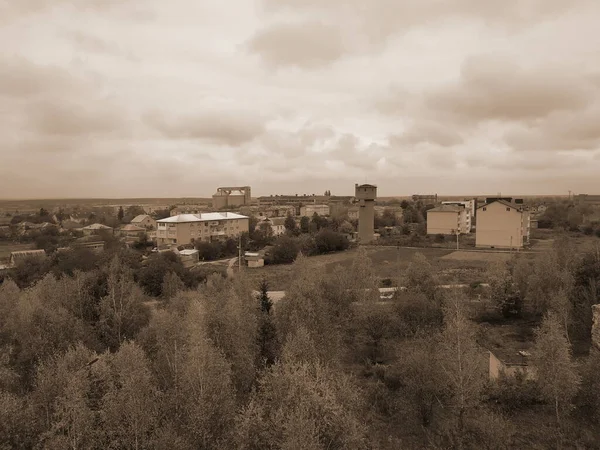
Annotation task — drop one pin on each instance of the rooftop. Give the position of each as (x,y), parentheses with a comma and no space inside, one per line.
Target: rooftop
(131,228)
(203,217)
(140,218)
(447,208)
(188,252)
(97,226)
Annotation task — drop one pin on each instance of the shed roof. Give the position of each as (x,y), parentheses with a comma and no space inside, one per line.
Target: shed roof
(203,217)
(140,218)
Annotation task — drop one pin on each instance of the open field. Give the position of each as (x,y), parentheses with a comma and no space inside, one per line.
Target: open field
(389,262)
(6,248)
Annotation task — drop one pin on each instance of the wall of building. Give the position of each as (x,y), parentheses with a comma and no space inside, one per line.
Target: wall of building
(499,226)
(310,210)
(443,222)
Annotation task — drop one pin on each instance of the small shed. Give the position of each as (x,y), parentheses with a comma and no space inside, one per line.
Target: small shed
(23,255)
(254,259)
(510,363)
(189,257)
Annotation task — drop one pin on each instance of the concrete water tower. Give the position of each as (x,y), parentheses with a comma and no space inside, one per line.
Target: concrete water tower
(365,195)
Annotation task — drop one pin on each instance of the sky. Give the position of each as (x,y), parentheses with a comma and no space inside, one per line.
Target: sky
(132,98)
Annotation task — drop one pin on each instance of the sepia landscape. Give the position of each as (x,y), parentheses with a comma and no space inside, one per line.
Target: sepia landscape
(299,225)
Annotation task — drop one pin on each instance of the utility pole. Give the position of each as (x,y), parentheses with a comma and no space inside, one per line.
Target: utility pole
(457,234)
(240,252)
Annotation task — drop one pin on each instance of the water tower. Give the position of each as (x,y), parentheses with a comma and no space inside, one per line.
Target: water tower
(365,195)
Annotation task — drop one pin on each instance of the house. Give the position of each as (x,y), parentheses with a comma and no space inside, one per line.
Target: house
(95,228)
(353,213)
(70,225)
(144,221)
(448,219)
(254,260)
(277,224)
(502,225)
(131,231)
(189,257)
(22,255)
(184,228)
(510,363)
(90,242)
(310,210)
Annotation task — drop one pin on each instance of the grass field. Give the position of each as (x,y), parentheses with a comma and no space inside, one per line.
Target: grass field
(389,262)
(7,248)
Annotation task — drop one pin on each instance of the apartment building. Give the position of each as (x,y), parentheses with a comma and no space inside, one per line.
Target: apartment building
(501,224)
(448,219)
(310,210)
(470,207)
(184,228)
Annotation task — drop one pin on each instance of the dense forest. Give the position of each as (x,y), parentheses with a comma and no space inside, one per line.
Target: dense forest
(90,360)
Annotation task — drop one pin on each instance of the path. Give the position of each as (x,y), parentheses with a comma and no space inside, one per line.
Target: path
(230,264)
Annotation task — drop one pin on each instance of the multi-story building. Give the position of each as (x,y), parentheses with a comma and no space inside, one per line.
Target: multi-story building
(448,219)
(501,224)
(587,199)
(470,206)
(310,210)
(185,228)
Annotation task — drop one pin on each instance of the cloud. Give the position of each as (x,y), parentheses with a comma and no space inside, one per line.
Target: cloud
(21,78)
(427,132)
(494,88)
(306,45)
(89,43)
(68,118)
(221,127)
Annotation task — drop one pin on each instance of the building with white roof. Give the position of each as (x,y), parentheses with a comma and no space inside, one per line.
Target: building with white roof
(184,228)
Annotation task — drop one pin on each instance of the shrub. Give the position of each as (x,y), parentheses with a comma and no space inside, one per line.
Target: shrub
(514,393)
(440,238)
(284,251)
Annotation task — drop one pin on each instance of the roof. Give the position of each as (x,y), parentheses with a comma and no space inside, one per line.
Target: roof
(140,218)
(367,186)
(131,228)
(512,357)
(203,217)
(22,254)
(188,252)
(97,226)
(502,202)
(447,208)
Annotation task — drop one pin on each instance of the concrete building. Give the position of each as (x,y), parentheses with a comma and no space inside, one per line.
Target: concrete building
(310,210)
(353,212)
(502,225)
(510,364)
(232,197)
(365,195)
(277,224)
(587,199)
(144,221)
(184,228)
(448,219)
(470,207)
(189,257)
(297,200)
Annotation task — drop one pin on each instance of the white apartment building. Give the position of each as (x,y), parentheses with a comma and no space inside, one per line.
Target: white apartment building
(470,206)
(448,219)
(184,228)
(310,210)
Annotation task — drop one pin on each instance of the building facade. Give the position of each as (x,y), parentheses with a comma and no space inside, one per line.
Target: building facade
(231,197)
(502,225)
(448,219)
(277,224)
(310,210)
(144,221)
(365,195)
(470,207)
(185,228)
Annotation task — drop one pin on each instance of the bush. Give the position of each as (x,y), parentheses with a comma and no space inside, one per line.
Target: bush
(284,251)
(329,241)
(514,393)
(440,238)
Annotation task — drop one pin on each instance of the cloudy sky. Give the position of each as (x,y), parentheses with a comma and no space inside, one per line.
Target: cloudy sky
(155,98)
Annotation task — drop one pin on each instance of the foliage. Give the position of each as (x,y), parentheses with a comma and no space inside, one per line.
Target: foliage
(284,251)
(420,276)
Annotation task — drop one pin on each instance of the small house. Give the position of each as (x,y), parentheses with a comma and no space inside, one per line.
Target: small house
(189,257)
(254,260)
(510,363)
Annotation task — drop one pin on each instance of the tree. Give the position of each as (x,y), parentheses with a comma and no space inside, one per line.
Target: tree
(171,285)
(120,214)
(504,292)
(267,333)
(555,369)
(420,276)
(304,224)
(460,360)
(284,251)
(290,224)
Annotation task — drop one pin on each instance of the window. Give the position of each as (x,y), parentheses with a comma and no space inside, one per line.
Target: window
(484,208)
(507,208)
